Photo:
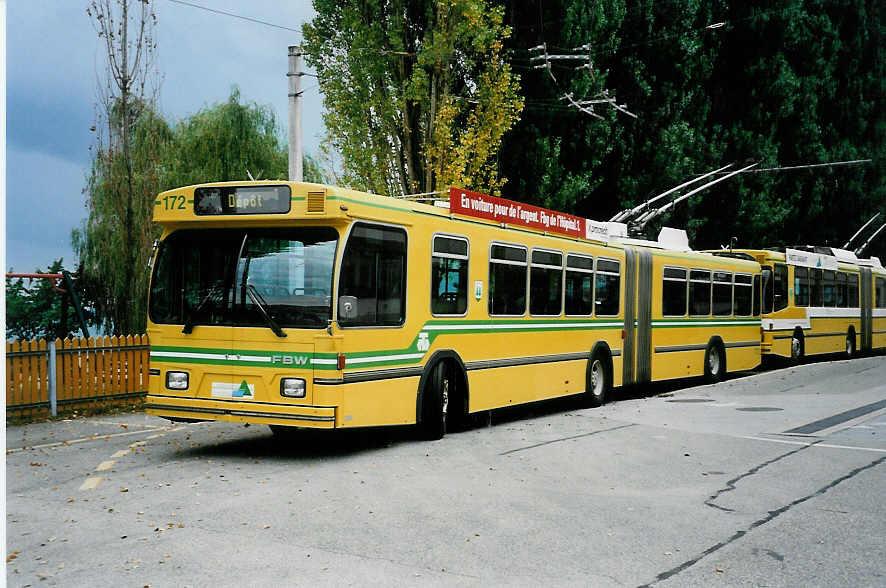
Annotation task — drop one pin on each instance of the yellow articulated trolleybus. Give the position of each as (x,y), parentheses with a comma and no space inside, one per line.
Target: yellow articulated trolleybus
(294,304)
(819,300)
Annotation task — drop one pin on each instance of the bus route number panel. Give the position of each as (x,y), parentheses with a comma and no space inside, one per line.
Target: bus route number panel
(223,200)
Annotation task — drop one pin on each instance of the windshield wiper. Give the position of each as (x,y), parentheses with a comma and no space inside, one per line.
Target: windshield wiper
(262,305)
(214,292)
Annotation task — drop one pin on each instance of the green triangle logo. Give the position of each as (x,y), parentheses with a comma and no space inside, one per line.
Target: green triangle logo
(244,389)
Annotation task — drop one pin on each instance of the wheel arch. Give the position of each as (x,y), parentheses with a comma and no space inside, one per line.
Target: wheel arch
(716,343)
(600,347)
(441,356)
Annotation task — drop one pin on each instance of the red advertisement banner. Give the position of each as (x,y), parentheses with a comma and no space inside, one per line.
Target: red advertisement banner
(514,213)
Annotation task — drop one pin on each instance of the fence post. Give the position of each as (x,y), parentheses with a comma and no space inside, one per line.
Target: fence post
(52,380)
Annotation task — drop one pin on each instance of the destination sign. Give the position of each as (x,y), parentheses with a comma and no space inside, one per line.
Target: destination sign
(516,213)
(221,200)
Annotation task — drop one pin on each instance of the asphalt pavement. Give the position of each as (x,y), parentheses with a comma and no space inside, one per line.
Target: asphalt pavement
(769,479)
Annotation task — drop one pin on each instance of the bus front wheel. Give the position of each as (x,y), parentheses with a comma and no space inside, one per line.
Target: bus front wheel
(435,403)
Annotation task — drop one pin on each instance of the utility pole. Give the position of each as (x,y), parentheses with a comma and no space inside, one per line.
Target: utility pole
(295,146)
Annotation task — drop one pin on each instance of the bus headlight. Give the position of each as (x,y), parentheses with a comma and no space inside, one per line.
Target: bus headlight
(292,387)
(177,380)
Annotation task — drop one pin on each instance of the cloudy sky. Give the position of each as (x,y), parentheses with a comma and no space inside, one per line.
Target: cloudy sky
(54,60)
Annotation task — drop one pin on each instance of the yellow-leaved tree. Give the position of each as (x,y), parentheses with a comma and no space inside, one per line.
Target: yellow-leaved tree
(418,94)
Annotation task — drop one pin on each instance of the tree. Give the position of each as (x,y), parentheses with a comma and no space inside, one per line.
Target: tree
(784,83)
(114,242)
(223,142)
(418,94)
(34,309)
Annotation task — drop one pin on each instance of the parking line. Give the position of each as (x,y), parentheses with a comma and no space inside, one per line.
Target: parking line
(828,445)
(93,438)
(91,483)
(105,465)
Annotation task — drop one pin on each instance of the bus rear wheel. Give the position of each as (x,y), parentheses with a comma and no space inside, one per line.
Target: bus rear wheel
(599,380)
(797,347)
(435,403)
(714,362)
(850,344)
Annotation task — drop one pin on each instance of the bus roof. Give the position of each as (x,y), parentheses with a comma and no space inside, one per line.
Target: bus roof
(225,203)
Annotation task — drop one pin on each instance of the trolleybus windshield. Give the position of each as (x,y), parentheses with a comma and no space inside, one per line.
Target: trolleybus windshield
(242,277)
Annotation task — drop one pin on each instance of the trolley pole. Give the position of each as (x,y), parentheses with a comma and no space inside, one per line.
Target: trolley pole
(295,146)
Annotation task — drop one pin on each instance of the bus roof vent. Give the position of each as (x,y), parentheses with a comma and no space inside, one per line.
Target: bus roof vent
(617,229)
(317,202)
(676,239)
(844,255)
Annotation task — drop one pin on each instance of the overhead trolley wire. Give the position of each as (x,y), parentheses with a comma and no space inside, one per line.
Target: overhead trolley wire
(234,15)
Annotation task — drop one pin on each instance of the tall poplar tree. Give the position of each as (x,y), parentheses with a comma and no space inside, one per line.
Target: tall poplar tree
(114,242)
(418,93)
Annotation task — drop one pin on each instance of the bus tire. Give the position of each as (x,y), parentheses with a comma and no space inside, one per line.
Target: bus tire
(599,378)
(714,361)
(435,403)
(850,343)
(798,346)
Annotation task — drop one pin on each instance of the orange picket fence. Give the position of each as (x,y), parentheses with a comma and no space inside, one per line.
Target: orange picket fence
(42,376)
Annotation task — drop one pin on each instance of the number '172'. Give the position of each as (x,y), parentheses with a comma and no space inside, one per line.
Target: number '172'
(174,202)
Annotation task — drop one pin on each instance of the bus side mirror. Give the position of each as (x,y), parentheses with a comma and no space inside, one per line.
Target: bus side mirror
(347,307)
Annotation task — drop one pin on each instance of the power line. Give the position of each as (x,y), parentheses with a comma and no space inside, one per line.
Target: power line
(240,16)
(807,166)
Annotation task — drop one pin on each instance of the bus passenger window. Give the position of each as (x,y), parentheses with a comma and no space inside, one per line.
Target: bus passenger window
(801,286)
(779,287)
(579,285)
(743,297)
(374,272)
(816,286)
(700,293)
(842,290)
(449,276)
(722,294)
(606,288)
(673,292)
(852,291)
(880,287)
(828,289)
(546,283)
(507,280)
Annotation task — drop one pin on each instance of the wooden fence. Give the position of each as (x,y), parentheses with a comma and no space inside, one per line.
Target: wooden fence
(41,375)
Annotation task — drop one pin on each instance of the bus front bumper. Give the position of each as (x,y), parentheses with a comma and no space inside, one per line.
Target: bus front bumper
(200,409)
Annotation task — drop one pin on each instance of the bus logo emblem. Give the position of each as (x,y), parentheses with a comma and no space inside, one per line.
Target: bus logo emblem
(478,290)
(228,390)
(423,342)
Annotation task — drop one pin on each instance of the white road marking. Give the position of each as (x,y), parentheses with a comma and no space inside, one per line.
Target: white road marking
(81,440)
(105,465)
(91,483)
(826,445)
(93,438)
(112,423)
(120,453)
